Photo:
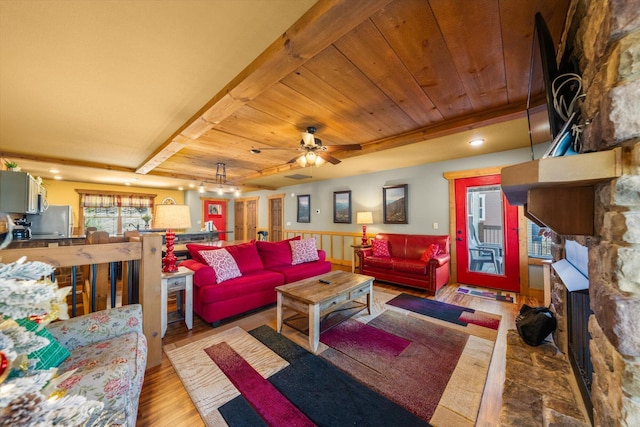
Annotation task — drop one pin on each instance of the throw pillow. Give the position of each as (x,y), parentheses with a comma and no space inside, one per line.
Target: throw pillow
(431,251)
(303,251)
(275,254)
(194,251)
(223,264)
(380,248)
(50,356)
(246,256)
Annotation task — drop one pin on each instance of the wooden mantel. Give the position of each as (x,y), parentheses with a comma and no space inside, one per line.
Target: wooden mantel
(558,192)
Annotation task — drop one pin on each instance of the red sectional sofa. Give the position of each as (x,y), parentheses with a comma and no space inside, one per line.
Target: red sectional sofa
(403,264)
(263,266)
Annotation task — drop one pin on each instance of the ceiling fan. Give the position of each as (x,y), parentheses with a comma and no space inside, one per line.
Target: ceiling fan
(314,153)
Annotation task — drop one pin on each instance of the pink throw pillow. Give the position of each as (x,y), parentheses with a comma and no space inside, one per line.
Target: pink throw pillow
(222,263)
(380,248)
(431,251)
(303,251)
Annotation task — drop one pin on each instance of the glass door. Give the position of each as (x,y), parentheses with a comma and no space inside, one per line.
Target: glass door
(486,235)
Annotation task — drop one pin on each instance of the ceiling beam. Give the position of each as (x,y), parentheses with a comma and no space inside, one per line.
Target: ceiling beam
(66,162)
(322,25)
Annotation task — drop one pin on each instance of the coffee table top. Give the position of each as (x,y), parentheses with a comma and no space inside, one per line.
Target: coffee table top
(312,291)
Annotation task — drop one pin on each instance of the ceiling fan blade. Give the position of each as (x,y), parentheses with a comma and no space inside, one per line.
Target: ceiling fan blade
(260,149)
(344,147)
(329,158)
(293,160)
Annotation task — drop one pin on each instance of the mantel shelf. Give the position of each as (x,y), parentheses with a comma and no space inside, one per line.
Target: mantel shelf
(558,192)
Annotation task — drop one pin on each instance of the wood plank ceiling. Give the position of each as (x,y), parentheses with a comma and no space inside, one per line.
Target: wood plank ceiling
(379,73)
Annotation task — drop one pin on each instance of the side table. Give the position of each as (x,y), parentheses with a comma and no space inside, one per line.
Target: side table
(356,248)
(181,280)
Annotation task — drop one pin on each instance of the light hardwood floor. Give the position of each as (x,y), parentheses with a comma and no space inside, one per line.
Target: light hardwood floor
(165,402)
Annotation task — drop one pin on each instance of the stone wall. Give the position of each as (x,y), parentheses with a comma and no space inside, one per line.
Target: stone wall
(605,35)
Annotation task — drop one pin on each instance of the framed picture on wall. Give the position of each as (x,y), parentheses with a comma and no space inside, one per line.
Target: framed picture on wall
(342,207)
(214,209)
(304,208)
(395,204)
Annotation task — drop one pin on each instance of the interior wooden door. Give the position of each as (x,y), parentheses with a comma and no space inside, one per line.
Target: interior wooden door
(276,218)
(251,210)
(486,234)
(238,226)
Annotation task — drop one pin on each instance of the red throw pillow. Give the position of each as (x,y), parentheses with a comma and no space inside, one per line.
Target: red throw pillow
(194,250)
(246,256)
(431,251)
(274,254)
(380,248)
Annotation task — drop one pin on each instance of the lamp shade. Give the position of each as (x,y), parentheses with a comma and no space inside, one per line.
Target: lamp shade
(172,217)
(364,218)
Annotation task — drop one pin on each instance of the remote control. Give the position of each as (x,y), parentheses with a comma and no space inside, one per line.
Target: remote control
(326,282)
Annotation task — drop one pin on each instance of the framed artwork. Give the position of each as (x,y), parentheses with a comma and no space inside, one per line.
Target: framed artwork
(395,204)
(304,208)
(342,207)
(214,209)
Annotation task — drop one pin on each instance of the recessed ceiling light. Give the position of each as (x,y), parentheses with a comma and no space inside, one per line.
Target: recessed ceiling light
(180,188)
(127,183)
(54,170)
(58,177)
(477,141)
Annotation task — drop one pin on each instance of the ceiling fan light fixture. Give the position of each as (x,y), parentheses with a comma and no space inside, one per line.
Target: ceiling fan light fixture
(302,161)
(319,161)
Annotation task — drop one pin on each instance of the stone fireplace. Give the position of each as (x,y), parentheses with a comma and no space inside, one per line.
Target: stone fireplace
(604,36)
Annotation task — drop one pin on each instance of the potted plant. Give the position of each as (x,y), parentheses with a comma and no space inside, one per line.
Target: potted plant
(12,166)
(146,218)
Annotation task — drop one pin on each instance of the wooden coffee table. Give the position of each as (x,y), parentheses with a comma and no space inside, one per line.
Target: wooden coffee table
(318,301)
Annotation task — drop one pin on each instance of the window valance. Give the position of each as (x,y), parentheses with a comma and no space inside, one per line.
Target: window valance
(108,199)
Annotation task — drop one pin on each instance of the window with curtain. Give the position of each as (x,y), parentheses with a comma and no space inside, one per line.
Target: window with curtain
(115,212)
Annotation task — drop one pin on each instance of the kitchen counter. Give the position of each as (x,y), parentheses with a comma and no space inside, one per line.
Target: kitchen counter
(45,243)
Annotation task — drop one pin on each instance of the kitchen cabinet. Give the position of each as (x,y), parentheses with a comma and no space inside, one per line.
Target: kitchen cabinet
(20,193)
(558,192)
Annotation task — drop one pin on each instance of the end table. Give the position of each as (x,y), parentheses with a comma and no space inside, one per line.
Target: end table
(181,280)
(356,248)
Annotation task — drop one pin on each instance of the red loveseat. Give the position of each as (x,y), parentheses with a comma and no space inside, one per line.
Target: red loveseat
(403,264)
(263,266)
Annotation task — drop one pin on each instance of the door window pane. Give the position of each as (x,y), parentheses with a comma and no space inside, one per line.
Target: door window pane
(485,229)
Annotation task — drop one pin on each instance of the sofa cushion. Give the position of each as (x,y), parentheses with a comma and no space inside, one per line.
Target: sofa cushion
(431,251)
(223,264)
(239,287)
(380,262)
(246,256)
(303,251)
(380,248)
(51,355)
(293,273)
(274,254)
(194,251)
(413,266)
(107,371)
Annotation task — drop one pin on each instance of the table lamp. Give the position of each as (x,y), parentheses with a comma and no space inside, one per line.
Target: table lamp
(171,217)
(364,218)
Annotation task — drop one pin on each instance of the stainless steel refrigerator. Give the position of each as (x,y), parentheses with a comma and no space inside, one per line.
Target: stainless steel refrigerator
(54,223)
